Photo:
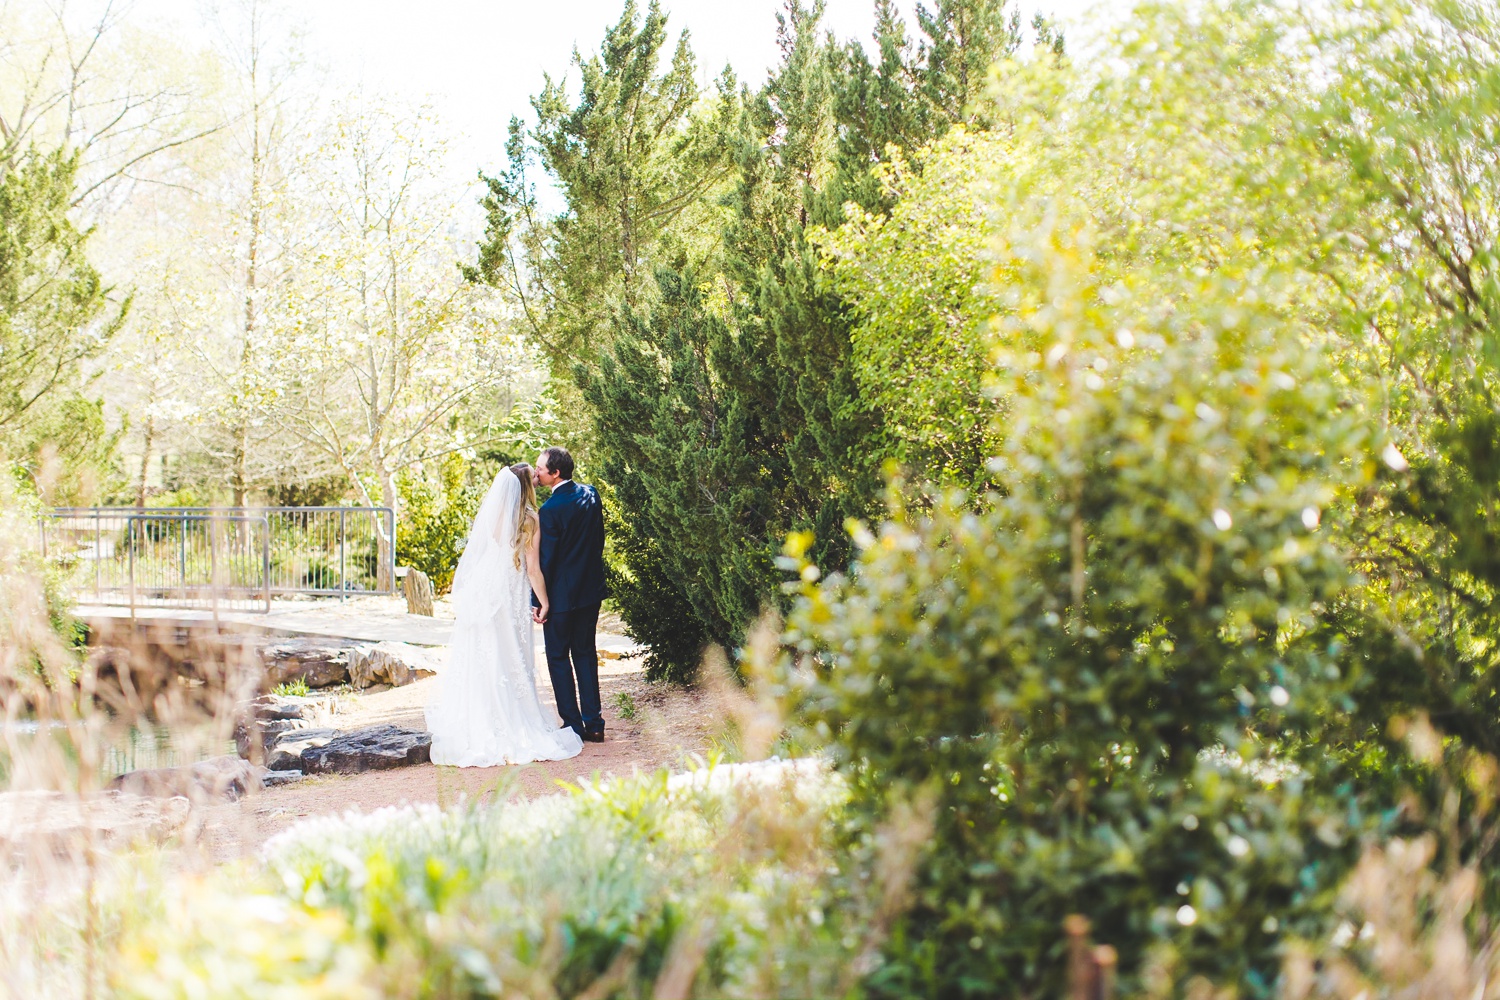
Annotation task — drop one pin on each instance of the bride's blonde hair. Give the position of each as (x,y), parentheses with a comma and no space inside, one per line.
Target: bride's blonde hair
(525,525)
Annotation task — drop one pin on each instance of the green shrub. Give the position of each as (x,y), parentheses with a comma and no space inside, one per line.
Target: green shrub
(1223,300)
(362,561)
(185,496)
(650,595)
(322,492)
(435,518)
(320,574)
(1101,680)
(292,689)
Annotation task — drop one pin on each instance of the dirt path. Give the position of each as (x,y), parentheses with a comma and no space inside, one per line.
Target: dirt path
(668,726)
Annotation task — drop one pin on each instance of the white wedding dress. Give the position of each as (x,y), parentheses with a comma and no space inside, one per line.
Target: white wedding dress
(487,711)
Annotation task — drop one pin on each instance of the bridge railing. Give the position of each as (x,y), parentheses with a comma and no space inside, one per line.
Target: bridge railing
(238,555)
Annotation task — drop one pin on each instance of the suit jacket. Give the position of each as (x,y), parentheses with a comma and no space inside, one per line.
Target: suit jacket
(572,547)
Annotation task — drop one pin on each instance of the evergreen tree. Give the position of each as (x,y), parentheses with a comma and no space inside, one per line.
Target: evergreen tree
(964,38)
(712,355)
(637,160)
(685,454)
(876,103)
(789,184)
(54,317)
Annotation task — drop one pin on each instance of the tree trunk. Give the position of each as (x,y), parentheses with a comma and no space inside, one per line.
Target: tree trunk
(252,272)
(140,491)
(237,477)
(386,543)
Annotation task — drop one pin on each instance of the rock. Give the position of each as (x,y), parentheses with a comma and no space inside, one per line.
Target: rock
(295,736)
(263,731)
(62,823)
(418,591)
(282,707)
(284,753)
(273,778)
(285,760)
(216,778)
(393,663)
(272,733)
(277,708)
(320,662)
(364,662)
(272,716)
(374,749)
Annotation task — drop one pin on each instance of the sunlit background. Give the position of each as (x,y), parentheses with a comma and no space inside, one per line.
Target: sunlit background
(478,62)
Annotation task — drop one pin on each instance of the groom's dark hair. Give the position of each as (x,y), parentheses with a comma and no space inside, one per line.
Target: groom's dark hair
(559,461)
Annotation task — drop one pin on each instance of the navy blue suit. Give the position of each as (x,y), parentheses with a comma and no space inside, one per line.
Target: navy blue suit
(572,559)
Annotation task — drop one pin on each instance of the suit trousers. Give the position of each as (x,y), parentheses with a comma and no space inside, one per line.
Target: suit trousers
(571,652)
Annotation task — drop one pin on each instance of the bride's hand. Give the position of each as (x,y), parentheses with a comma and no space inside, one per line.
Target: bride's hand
(539,615)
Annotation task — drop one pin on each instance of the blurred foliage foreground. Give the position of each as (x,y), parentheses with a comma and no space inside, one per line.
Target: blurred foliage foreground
(1207,658)
(709,883)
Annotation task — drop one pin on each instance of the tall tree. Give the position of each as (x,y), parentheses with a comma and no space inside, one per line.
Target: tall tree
(963,39)
(391,344)
(637,160)
(53,313)
(263,70)
(56,318)
(82,109)
(83,85)
(877,101)
(724,412)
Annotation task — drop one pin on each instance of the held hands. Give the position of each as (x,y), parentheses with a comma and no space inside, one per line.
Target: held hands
(539,615)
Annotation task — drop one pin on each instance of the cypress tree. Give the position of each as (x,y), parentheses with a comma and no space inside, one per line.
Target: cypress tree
(637,159)
(712,357)
(963,39)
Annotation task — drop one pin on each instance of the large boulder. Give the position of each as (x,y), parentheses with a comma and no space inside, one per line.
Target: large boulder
(273,716)
(320,662)
(377,748)
(252,733)
(393,663)
(284,751)
(311,710)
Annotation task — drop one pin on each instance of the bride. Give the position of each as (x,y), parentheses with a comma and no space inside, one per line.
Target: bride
(487,710)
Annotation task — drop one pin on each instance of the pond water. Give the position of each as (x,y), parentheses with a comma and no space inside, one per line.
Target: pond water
(133,749)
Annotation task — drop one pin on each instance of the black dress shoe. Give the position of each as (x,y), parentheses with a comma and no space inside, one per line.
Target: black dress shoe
(593,735)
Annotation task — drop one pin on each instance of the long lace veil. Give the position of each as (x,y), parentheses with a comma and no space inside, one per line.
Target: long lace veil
(484,569)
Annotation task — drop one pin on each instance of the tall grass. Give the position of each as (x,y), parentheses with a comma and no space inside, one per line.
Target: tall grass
(712,883)
(74,876)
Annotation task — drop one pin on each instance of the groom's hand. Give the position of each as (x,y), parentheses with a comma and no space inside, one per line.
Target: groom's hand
(539,616)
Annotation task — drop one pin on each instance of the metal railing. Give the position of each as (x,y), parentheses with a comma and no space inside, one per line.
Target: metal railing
(162,556)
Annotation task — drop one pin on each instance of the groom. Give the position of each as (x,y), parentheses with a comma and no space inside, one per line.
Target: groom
(572,558)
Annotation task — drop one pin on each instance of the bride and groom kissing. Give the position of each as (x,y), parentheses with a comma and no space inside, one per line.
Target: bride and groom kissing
(524,564)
